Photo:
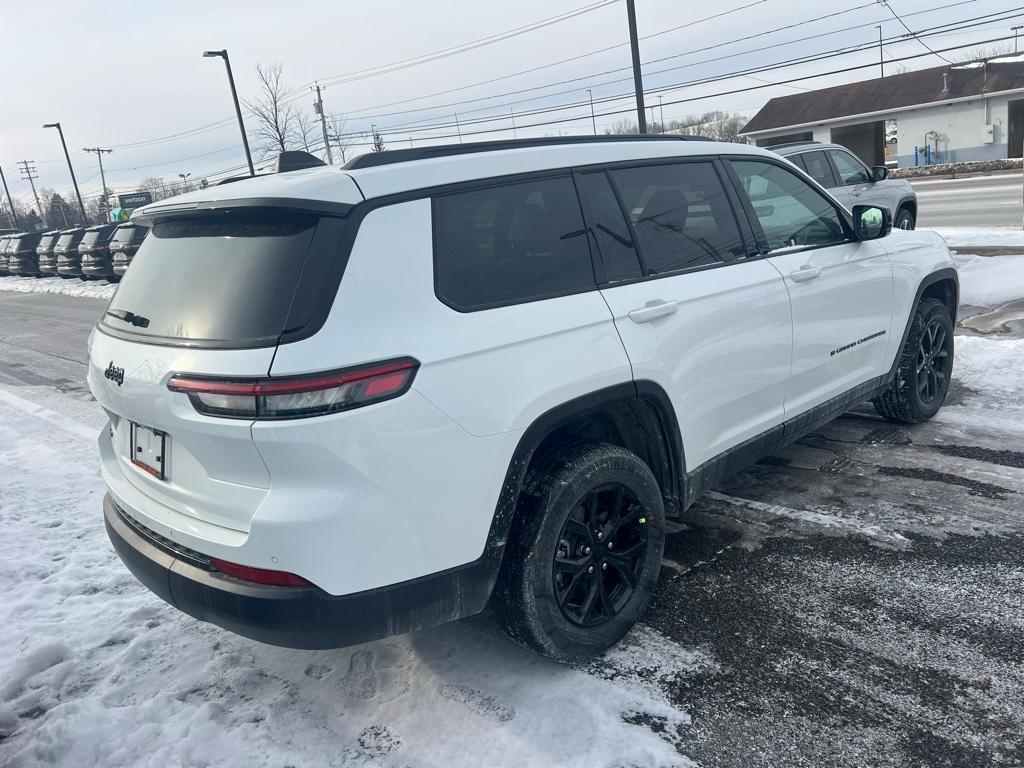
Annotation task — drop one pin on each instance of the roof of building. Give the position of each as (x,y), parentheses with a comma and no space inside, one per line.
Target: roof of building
(891,94)
(334,185)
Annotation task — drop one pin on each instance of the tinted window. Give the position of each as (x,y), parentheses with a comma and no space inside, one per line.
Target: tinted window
(129,234)
(94,236)
(612,233)
(818,168)
(681,215)
(23,243)
(510,243)
(47,241)
(69,239)
(850,169)
(223,276)
(791,212)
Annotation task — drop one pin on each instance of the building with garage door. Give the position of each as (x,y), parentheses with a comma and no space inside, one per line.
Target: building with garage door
(949,114)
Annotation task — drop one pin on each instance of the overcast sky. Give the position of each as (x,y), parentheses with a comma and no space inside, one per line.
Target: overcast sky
(130,75)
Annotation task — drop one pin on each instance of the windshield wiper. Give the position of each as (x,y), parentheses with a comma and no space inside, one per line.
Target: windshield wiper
(129,317)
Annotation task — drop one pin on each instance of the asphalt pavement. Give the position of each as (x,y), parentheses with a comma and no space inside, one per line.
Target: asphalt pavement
(857,599)
(977,201)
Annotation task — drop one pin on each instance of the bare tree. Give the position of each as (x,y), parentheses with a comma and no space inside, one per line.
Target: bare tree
(276,121)
(341,138)
(307,130)
(378,142)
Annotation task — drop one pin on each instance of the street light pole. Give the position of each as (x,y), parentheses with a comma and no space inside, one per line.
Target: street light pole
(223,54)
(638,80)
(881,52)
(184,180)
(1015,31)
(593,119)
(74,181)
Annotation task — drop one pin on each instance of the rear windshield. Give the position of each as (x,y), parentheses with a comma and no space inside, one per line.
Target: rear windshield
(69,238)
(220,277)
(21,243)
(129,234)
(94,236)
(47,241)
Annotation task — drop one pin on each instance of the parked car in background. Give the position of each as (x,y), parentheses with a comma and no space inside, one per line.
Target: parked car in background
(125,242)
(94,253)
(46,259)
(851,182)
(4,242)
(21,254)
(69,263)
(350,402)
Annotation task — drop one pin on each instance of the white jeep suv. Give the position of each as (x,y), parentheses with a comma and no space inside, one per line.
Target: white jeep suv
(351,402)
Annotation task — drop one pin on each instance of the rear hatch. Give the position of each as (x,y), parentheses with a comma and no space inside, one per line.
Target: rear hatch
(94,245)
(209,296)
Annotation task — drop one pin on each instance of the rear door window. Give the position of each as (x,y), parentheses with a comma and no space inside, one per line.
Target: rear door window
(611,231)
(509,244)
(681,215)
(219,277)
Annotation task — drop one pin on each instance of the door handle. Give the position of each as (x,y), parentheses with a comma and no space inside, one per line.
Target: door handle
(805,273)
(653,310)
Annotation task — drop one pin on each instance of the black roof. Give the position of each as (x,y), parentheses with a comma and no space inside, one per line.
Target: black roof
(389,156)
(894,92)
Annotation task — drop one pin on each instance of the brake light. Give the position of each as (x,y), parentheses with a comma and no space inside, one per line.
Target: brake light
(298,396)
(259,575)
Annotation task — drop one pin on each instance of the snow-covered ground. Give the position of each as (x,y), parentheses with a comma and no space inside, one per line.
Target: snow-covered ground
(98,289)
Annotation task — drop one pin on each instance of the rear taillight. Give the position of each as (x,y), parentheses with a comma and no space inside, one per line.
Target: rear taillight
(300,396)
(259,575)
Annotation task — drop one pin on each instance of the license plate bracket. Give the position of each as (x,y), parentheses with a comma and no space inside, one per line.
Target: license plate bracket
(148,448)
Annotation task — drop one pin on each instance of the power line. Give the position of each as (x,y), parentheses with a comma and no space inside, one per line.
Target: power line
(885,4)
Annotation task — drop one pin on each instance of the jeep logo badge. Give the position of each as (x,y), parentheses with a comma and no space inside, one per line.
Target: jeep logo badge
(114,373)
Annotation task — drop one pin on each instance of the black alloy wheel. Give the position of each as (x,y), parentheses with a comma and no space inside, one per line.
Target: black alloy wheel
(600,555)
(932,361)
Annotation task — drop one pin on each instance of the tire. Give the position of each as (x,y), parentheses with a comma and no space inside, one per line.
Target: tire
(904,219)
(924,368)
(543,605)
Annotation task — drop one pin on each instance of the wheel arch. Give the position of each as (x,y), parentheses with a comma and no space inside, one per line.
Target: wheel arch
(944,285)
(636,415)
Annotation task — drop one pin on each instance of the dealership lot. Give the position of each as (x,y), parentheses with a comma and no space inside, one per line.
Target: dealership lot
(854,600)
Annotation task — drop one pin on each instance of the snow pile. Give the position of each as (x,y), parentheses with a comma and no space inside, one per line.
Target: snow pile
(97,671)
(90,290)
(959,237)
(989,281)
(995,367)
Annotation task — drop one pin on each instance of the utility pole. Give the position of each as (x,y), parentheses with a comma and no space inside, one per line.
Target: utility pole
(513,113)
(458,128)
(29,172)
(223,54)
(103,179)
(661,114)
(14,214)
(638,79)
(1015,30)
(593,119)
(74,181)
(881,54)
(318,108)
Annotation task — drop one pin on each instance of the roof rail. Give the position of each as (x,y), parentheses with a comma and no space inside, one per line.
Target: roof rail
(387,157)
(785,144)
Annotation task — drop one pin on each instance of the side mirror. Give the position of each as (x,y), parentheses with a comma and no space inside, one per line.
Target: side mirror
(879,173)
(871,222)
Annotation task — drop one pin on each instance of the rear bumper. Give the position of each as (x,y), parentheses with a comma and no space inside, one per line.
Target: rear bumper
(23,266)
(294,617)
(98,268)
